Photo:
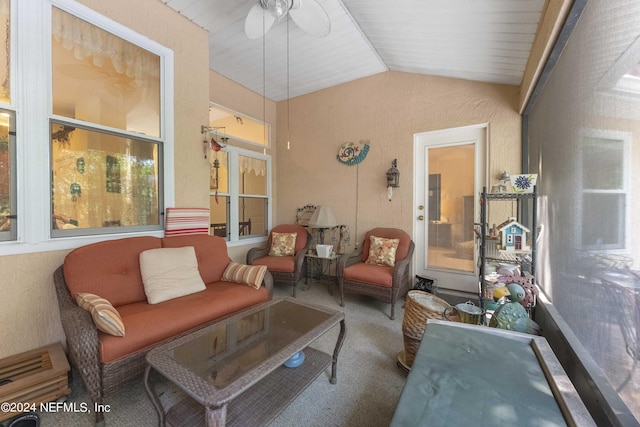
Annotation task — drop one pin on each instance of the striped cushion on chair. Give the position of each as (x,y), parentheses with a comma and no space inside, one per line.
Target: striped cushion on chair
(186,221)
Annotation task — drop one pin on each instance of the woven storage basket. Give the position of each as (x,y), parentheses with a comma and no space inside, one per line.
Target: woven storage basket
(420,307)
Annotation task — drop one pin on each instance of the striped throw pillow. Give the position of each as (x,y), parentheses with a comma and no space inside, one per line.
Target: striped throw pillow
(186,221)
(105,316)
(251,275)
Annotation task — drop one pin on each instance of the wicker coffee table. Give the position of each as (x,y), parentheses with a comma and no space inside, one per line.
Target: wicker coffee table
(233,370)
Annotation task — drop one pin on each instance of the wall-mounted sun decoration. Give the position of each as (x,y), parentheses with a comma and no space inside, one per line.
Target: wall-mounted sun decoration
(352,153)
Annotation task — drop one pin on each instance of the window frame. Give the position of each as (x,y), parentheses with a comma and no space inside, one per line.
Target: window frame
(233,196)
(31,96)
(57,234)
(625,138)
(11,234)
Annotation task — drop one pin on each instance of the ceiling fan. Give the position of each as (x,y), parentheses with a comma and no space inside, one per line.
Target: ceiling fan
(307,14)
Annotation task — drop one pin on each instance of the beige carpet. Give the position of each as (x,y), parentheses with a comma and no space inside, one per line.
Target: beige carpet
(368,388)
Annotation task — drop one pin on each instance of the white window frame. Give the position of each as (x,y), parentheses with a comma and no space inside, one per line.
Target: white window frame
(234,238)
(626,139)
(31,99)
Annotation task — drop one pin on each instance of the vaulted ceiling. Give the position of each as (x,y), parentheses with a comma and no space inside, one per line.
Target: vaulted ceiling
(482,40)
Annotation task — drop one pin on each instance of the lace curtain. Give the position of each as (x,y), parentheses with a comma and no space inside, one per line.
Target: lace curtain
(88,41)
(250,164)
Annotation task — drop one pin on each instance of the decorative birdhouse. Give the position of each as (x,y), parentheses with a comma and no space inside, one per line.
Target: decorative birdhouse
(513,236)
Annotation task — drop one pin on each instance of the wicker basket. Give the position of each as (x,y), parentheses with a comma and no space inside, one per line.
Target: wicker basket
(420,307)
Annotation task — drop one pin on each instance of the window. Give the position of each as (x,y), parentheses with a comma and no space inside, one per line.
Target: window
(604,193)
(253,203)
(240,179)
(7,176)
(97,157)
(7,132)
(103,178)
(240,205)
(581,143)
(238,126)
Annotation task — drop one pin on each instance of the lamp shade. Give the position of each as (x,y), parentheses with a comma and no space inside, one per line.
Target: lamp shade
(323,218)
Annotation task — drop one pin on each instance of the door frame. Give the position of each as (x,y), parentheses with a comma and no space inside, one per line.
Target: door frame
(481,179)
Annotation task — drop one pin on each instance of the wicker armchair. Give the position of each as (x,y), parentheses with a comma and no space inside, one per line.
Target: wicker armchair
(287,269)
(381,282)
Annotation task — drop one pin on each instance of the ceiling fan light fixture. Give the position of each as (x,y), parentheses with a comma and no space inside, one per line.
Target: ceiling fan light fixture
(309,15)
(277,8)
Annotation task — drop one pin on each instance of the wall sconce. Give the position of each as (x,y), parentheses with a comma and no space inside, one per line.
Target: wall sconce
(393,178)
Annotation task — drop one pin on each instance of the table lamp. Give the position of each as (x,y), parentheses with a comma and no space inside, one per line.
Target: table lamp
(323,219)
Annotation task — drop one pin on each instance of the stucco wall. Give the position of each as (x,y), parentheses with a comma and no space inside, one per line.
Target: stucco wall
(29,317)
(386,110)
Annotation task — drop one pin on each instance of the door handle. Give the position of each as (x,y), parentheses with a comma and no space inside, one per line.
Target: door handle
(421,218)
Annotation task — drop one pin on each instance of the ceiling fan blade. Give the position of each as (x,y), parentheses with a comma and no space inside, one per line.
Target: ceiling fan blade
(258,22)
(310,17)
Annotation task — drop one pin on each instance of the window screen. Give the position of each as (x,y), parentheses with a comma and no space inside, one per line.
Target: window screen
(584,142)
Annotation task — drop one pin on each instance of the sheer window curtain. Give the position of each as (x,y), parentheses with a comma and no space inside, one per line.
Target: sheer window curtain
(88,41)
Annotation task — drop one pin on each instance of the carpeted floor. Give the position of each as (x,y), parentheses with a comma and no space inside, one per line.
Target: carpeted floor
(368,388)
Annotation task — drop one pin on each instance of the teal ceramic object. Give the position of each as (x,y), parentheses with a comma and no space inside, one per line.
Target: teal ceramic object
(295,360)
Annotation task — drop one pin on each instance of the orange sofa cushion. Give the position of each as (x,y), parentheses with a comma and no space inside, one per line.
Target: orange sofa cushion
(277,263)
(109,269)
(148,325)
(369,273)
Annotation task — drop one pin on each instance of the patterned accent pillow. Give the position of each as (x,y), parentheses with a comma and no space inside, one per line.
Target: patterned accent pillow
(251,275)
(283,244)
(382,251)
(105,316)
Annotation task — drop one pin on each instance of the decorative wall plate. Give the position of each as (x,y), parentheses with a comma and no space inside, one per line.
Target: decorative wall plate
(352,153)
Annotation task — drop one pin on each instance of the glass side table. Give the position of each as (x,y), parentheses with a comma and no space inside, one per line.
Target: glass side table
(315,264)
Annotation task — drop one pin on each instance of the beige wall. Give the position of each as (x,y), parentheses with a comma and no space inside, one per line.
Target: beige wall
(387,110)
(29,317)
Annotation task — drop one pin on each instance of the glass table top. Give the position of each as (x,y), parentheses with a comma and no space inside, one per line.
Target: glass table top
(232,348)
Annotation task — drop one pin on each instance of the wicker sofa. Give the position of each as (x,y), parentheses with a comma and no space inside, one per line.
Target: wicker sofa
(111,270)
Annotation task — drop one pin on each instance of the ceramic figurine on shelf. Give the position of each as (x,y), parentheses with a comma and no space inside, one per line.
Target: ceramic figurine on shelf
(512,315)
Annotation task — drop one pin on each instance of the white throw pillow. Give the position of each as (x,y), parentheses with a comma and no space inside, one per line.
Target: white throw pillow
(169,273)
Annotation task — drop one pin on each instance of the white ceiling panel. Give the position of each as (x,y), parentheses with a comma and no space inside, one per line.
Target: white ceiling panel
(483,40)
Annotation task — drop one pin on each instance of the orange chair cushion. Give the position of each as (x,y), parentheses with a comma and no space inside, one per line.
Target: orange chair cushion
(147,324)
(277,263)
(369,273)
(388,233)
